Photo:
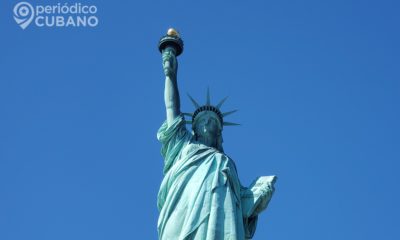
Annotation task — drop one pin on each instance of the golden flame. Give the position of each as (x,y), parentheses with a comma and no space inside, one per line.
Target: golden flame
(173,32)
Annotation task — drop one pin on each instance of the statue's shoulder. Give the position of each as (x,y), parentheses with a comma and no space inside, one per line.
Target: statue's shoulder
(221,156)
(227,161)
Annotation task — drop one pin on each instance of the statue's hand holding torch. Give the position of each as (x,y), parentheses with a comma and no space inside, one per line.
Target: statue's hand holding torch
(170,64)
(170,46)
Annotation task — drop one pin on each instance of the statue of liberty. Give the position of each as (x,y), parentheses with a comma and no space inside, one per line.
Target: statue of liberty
(200,197)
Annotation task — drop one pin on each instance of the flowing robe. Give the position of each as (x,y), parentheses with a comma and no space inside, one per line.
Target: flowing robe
(200,197)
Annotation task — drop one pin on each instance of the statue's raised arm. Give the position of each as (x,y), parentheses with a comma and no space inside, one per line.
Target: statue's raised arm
(171,46)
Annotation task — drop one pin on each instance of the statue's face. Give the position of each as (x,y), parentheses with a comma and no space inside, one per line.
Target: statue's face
(207,124)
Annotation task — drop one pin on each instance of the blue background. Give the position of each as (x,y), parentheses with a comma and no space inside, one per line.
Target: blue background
(317,88)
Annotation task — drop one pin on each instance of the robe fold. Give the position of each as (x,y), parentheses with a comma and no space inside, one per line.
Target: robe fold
(200,197)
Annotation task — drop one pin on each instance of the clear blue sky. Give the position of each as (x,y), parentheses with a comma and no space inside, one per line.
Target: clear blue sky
(317,88)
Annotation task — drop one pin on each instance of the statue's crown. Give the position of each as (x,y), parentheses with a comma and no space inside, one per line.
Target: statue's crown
(209,107)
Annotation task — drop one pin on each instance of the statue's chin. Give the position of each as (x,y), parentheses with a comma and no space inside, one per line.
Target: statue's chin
(207,137)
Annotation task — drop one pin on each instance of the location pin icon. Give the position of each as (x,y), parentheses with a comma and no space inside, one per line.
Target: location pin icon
(23,14)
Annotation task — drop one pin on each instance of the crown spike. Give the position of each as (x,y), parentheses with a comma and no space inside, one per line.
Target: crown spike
(231,124)
(196,105)
(228,113)
(208,97)
(221,102)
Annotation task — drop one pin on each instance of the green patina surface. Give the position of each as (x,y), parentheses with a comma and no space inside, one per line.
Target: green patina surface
(201,196)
